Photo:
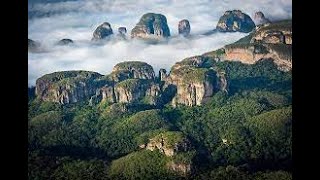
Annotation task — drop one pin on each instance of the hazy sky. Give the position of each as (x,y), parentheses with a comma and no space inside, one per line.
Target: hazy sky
(78,19)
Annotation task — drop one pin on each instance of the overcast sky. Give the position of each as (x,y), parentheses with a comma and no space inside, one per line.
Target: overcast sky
(77,19)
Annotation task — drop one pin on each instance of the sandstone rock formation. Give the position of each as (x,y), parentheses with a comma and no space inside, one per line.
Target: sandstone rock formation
(151,26)
(233,21)
(132,70)
(130,81)
(129,91)
(221,81)
(184,27)
(63,42)
(163,74)
(67,86)
(267,42)
(190,82)
(275,33)
(259,18)
(194,82)
(102,31)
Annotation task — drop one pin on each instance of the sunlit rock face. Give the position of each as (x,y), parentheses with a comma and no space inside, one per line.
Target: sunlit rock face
(67,86)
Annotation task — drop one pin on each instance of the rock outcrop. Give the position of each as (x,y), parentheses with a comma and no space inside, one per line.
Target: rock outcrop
(103,31)
(194,82)
(235,21)
(122,30)
(63,42)
(222,82)
(151,26)
(190,82)
(130,91)
(184,27)
(259,18)
(33,46)
(163,74)
(132,70)
(67,86)
(272,41)
(169,143)
(173,144)
(274,33)
(131,81)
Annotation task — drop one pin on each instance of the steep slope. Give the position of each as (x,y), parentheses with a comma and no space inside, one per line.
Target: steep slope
(67,86)
(270,41)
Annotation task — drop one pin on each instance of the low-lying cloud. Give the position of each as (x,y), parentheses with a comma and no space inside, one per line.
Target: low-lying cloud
(78,19)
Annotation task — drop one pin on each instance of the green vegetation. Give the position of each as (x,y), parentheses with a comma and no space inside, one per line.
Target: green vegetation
(170,137)
(263,75)
(81,170)
(283,50)
(58,76)
(194,75)
(245,134)
(240,46)
(246,39)
(133,64)
(151,164)
(133,84)
(283,25)
(219,53)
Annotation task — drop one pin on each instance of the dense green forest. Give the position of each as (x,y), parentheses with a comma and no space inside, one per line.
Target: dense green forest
(243,134)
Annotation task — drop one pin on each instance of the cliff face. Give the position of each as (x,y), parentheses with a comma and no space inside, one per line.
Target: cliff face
(194,82)
(271,41)
(190,82)
(151,26)
(129,91)
(249,55)
(67,87)
(274,33)
(132,90)
(131,81)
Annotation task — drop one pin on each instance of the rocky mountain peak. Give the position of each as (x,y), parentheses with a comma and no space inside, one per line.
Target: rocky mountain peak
(259,18)
(235,21)
(151,26)
(184,27)
(102,31)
